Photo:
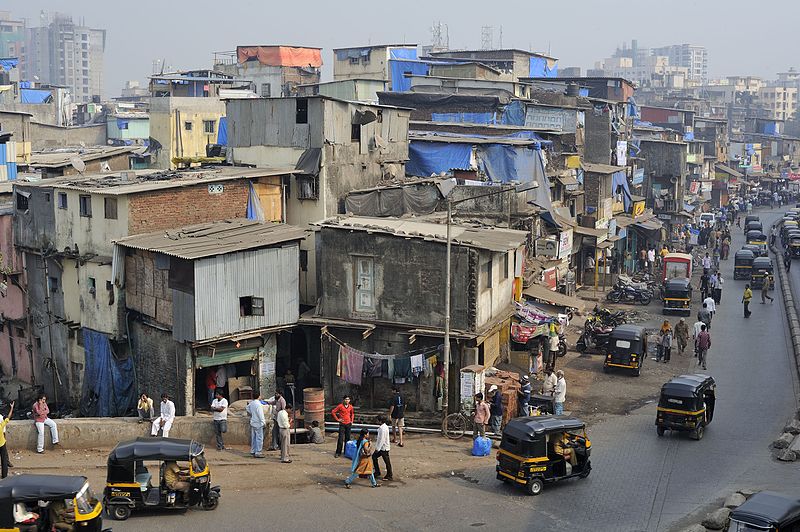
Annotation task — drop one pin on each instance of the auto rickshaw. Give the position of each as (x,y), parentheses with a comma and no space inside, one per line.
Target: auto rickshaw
(766,511)
(677,265)
(794,245)
(540,449)
(743,264)
(21,494)
(789,224)
(788,235)
(686,404)
(751,218)
(757,238)
(762,272)
(627,348)
(677,296)
(130,485)
(755,225)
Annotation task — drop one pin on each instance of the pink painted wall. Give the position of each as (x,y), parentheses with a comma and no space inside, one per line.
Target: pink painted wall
(14,334)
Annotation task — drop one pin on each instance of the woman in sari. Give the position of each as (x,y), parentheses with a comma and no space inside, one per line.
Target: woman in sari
(362,461)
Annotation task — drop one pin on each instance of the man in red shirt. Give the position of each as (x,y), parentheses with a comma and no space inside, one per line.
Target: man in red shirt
(343,413)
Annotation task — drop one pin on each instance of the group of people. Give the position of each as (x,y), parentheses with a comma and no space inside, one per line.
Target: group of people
(700,334)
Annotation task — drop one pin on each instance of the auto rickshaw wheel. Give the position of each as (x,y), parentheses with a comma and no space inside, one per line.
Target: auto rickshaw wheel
(660,430)
(120,512)
(211,503)
(697,434)
(534,486)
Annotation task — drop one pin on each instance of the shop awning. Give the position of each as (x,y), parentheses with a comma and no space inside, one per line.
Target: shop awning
(606,244)
(544,294)
(219,357)
(600,234)
(650,225)
(567,180)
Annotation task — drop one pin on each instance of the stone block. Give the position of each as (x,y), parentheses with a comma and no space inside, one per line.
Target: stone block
(717,520)
(792,427)
(787,455)
(734,500)
(783,441)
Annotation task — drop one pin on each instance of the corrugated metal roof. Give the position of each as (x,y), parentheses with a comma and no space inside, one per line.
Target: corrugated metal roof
(63,157)
(490,238)
(215,238)
(601,168)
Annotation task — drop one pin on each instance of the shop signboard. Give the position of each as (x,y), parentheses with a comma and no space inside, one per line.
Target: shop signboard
(638,176)
(565,244)
(550,277)
(638,208)
(547,247)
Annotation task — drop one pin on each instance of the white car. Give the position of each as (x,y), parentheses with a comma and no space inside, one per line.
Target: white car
(706,218)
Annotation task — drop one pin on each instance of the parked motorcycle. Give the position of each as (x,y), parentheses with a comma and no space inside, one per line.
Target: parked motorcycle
(607,317)
(628,294)
(595,334)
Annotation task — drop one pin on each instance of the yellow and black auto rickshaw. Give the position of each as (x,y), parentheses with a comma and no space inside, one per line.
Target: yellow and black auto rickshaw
(755,225)
(794,245)
(68,501)
(767,511)
(677,296)
(131,485)
(686,404)
(762,273)
(540,449)
(743,264)
(626,348)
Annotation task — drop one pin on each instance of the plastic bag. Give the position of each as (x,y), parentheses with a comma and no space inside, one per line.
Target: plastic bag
(481,446)
(350,449)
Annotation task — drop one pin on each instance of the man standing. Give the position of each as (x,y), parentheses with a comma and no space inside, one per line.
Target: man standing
(787,260)
(166,418)
(211,384)
(382,447)
(703,345)
(397,411)
(40,418)
(765,291)
(524,395)
(549,383)
(3,447)
(706,263)
(343,413)
(283,426)
(496,409)
(746,297)
(255,409)
(560,393)
(481,416)
(682,335)
(220,417)
(651,258)
(704,285)
(279,404)
(704,315)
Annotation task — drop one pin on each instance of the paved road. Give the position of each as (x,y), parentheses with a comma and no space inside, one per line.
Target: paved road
(639,482)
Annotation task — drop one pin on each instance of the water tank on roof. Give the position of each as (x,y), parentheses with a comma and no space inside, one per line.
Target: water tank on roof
(573,89)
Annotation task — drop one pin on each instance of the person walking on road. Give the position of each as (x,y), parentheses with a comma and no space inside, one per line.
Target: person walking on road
(4,462)
(746,297)
(279,403)
(496,410)
(382,448)
(220,417)
(255,410)
(285,436)
(397,412)
(481,416)
(343,413)
(362,461)
(166,417)
(40,417)
(682,335)
(664,342)
(703,345)
(696,329)
(787,260)
(705,316)
(765,291)
(560,393)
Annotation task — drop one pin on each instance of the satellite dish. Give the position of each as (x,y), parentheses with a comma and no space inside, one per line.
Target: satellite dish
(78,164)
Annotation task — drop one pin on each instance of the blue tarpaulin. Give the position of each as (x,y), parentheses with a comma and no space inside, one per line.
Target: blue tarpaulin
(432,158)
(109,383)
(539,68)
(34,96)
(25,84)
(514,114)
(619,179)
(8,63)
(254,209)
(222,131)
(523,164)
(633,109)
(403,53)
(398,68)
(122,123)
(352,53)
(770,128)
(465,118)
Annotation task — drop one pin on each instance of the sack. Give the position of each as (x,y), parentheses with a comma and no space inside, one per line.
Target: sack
(350,449)
(481,446)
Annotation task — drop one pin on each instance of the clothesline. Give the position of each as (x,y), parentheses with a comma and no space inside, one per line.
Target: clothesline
(426,352)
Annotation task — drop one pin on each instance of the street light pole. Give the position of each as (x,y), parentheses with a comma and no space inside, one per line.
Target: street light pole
(446,362)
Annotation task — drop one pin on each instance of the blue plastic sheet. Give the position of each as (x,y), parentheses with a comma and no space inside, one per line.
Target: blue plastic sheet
(403,53)
(633,109)
(432,158)
(352,53)
(770,128)
(122,123)
(34,96)
(464,118)
(481,446)
(109,383)
(222,131)
(8,63)
(254,209)
(618,179)
(25,84)
(398,68)
(504,163)
(539,68)
(514,114)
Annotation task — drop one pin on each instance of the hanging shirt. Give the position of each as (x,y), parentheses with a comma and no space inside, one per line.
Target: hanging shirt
(402,368)
(417,362)
(352,362)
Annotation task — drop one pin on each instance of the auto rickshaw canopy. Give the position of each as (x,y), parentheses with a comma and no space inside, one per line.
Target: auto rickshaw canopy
(762,263)
(123,458)
(528,428)
(744,255)
(628,332)
(677,265)
(690,385)
(767,509)
(32,488)
(756,236)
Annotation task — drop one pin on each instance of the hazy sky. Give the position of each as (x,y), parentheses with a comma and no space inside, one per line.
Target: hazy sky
(742,37)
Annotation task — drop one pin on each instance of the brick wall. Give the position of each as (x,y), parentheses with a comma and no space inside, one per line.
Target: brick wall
(176,207)
(160,364)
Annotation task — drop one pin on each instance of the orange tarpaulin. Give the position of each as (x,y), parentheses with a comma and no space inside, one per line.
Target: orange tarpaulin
(281,55)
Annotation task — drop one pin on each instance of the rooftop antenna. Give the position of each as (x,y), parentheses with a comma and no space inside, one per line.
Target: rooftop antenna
(487,37)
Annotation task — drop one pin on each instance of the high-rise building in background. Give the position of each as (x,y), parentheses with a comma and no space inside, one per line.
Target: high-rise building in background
(61,52)
(12,36)
(690,56)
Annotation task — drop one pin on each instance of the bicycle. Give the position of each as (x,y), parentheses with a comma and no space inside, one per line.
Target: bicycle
(456,425)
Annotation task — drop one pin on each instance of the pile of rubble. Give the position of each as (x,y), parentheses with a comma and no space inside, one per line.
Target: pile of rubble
(787,447)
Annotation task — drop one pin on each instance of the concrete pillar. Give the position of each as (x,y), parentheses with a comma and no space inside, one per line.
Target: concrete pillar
(266,365)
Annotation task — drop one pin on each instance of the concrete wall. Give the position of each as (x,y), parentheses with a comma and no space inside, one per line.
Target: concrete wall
(409,279)
(14,355)
(45,136)
(598,143)
(138,129)
(377,66)
(664,158)
(494,300)
(162,365)
(168,117)
(44,113)
(92,234)
(35,228)
(20,125)
(115,163)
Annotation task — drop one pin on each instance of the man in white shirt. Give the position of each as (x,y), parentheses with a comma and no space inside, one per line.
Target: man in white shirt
(560,393)
(382,447)
(706,262)
(710,305)
(220,417)
(282,420)
(651,258)
(255,409)
(165,419)
(696,328)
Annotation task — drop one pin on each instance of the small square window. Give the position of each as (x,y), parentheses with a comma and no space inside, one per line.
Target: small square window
(92,287)
(20,332)
(22,202)
(301,111)
(62,200)
(209,126)
(38,342)
(47,197)
(187,126)
(251,306)
(303,260)
(53,283)
(266,90)
(487,273)
(505,265)
(85,205)
(110,207)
